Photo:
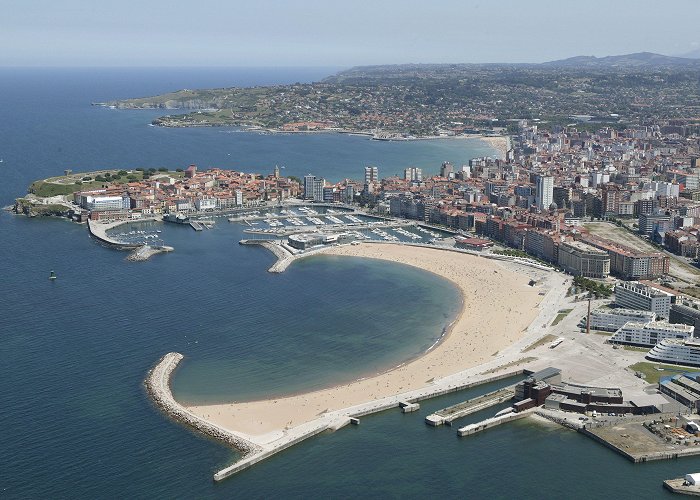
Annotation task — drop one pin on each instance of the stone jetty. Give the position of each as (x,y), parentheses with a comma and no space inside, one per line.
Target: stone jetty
(158,386)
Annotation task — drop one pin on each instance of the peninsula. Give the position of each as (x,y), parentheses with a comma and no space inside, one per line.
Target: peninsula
(438,100)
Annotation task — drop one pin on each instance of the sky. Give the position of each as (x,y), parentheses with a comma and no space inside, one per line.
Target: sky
(335,33)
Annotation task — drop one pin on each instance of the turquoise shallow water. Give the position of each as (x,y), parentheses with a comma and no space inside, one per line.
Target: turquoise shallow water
(76,422)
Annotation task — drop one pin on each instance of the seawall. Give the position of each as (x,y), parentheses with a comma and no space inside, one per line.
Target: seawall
(99,232)
(158,387)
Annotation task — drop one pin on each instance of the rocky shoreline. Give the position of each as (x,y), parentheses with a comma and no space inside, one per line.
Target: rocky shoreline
(157,385)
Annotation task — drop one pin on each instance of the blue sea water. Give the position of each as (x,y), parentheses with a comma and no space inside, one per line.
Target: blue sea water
(75,420)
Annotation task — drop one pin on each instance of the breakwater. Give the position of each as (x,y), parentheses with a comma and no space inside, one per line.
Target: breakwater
(158,387)
(284,256)
(145,252)
(140,252)
(99,231)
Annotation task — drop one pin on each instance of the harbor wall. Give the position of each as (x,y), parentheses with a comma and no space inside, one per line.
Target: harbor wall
(100,233)
(435,393)
(470,429)
(158,387)
(262,455)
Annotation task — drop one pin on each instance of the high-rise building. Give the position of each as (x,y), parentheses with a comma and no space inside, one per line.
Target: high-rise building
(309,187)
(545,189)
(446,170)
(632,295)
(349,193)
(413,174)
(371,175)
(313,187)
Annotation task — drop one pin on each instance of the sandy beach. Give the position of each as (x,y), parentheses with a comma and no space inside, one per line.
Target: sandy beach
(500,143)
(498,305)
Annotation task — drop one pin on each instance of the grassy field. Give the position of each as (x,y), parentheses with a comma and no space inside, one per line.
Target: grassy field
(65,185)
(544,340)
(652,375)
(562,314)
(45,189)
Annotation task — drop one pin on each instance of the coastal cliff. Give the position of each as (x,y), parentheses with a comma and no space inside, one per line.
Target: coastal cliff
(32,208)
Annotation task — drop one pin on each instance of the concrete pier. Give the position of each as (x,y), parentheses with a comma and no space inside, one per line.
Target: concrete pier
(99,231)
(679,485)
(408,407)
(451,413)
(489,423)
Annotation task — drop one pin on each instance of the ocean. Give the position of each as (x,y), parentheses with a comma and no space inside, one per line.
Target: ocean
(76,422)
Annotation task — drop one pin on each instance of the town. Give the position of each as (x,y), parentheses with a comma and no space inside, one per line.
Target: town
(602,206)
(431,100)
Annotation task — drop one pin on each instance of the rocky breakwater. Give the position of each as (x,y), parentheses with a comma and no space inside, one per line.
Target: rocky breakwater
(147,251)
(158,387)
(284,258)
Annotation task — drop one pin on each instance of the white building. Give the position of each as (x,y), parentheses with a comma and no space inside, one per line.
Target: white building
(182,205)
(103,203)
(413,174)
(677,352)
(545,191)
(371,175)
(313,187)
(649,334)
(203,204)
(611,320)
(634,295)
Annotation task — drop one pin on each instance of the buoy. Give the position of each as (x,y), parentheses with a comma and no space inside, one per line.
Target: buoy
(52,276)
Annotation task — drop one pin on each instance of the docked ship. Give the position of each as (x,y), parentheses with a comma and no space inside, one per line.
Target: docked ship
(676,352)
(176,218)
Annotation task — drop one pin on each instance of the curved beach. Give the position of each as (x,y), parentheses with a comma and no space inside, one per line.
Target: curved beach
(498,305)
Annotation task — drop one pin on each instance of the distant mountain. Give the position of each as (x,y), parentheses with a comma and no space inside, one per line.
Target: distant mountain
(638,60)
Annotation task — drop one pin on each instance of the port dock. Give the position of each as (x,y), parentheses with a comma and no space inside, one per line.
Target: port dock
(448,415)
(681,486)
(489,423)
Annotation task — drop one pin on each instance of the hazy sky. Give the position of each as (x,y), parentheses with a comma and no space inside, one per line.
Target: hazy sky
(334,33)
